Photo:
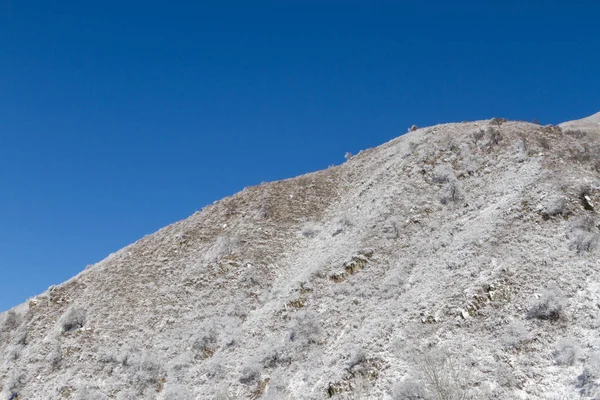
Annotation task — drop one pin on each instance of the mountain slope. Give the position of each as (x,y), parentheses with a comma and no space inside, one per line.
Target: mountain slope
(458,259)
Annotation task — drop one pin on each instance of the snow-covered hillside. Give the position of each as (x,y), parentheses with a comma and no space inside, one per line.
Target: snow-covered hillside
(457,261)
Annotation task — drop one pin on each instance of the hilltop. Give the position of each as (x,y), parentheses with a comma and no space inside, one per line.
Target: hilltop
(455,261)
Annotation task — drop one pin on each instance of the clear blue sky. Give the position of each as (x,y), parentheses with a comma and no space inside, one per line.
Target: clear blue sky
(117,118)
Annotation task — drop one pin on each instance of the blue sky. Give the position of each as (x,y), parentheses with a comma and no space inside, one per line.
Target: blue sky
(117,118)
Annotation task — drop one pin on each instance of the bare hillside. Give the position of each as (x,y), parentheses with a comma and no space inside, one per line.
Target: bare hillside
(458,261)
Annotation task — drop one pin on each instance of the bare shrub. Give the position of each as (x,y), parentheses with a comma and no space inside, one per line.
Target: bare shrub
(310,230)
(73,319)
(408,390)
(477,136)
(250,374)
(176,392)
(436,377)
(205,345)
(491,135)
(585,235)
(576,133)
(555,205)
(584,198)
(584,242)
(145,372)
(11,322)
(452,193)
(588,379)
(566,352)
(522,149)
(87,393)
(16,380)
(515,336)
(343,225)
(549,307)
(276,392)
(585,153)
(21,335)
(498,121)
(275,354)
(442,174)
(13,352)
(224,246)
(55,357)
(305,329)
(355,363)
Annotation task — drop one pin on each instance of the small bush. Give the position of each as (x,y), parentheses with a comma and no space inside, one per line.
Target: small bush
(567,351)
(73,319)
(549,307)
